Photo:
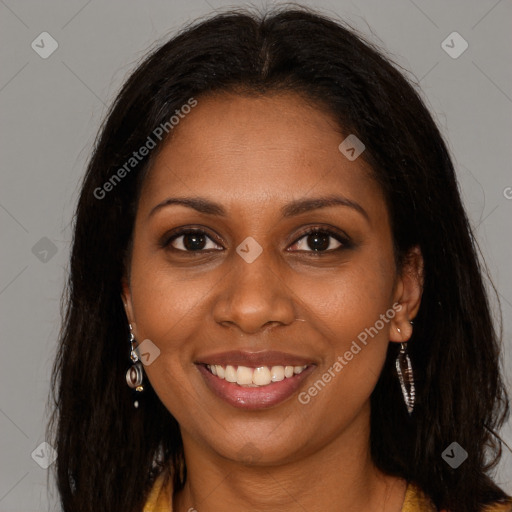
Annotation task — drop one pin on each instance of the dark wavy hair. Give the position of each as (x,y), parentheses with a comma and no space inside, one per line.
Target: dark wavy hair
(110,453)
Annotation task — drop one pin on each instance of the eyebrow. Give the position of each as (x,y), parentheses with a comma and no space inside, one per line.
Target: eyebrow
(291,209)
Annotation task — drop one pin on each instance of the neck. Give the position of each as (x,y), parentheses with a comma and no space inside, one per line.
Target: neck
(339,475)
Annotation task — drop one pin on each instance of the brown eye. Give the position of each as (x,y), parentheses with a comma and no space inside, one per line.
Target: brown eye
(318,240)
(191,240)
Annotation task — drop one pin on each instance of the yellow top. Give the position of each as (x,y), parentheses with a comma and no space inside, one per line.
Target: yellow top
(160,499)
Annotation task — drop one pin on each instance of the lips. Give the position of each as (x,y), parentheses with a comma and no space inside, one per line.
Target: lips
(254,359)
(253,396)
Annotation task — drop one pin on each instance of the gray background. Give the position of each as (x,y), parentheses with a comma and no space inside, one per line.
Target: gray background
(51,110)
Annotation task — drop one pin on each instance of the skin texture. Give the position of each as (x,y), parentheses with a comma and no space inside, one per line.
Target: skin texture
(254,155)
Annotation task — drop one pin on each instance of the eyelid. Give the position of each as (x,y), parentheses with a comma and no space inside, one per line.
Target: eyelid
(340,237)
(335,233)
(178,232)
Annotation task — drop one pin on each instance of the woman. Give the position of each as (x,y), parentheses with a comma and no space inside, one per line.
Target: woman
(275,300)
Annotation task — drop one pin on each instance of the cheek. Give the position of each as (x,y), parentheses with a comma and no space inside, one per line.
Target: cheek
(349,299)
(166,312)
(352,311)
(164,300)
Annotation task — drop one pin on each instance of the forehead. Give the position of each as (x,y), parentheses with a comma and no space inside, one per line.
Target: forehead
(243,150)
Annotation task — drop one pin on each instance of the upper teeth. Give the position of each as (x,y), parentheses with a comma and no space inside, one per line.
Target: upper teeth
(252,377)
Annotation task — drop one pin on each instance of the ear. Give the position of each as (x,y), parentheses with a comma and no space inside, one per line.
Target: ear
(126,297)
(408,291)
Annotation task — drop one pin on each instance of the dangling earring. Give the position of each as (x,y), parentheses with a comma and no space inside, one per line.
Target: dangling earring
(134,374)
(405,376)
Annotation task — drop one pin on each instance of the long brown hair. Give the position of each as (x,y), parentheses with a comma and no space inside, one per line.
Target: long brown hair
(109,452)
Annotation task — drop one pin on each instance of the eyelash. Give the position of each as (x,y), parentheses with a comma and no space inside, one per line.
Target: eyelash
(344,241)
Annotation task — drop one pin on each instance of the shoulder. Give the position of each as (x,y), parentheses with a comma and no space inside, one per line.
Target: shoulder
(499,507)
(160,495)
(417,501)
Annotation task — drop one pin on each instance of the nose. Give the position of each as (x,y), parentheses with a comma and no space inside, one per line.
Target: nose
(254,296)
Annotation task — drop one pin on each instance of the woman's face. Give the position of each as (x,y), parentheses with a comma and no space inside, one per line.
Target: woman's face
(251,280)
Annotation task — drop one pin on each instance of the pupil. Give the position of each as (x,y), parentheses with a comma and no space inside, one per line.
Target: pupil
(318,241)
(194,241)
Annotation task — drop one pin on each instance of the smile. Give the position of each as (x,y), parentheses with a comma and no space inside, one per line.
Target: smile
(250,388)
(254,377)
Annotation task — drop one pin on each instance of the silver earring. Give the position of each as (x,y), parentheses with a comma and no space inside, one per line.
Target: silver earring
(405,376)
(134,374)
